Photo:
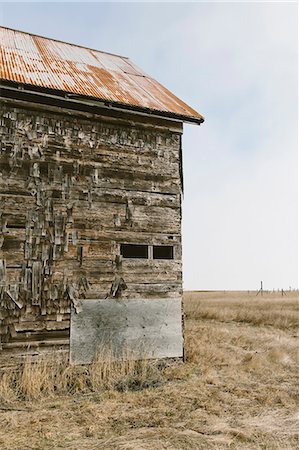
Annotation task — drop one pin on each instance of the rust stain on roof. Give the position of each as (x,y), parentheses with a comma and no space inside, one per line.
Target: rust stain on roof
(47,63)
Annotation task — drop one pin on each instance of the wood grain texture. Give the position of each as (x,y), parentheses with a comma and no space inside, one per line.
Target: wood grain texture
(135,329)
(73,188)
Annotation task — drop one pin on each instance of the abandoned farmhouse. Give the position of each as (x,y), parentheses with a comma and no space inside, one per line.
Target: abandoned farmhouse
(90,203)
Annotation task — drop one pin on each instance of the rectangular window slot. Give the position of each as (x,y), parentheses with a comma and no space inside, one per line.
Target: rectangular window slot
(163,252)
(134,251)
(17,226)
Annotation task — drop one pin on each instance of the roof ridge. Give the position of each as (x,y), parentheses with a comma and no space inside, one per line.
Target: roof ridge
(64,42)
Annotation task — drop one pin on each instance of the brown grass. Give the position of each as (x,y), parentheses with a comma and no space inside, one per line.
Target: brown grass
(270,309)
(51,376)
(238,388)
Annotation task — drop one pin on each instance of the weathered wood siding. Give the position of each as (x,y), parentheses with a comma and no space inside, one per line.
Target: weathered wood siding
(72,189)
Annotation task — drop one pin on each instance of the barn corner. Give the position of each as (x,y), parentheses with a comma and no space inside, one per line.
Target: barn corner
(90,204)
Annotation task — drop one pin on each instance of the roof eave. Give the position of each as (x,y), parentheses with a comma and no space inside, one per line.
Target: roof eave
(93,101)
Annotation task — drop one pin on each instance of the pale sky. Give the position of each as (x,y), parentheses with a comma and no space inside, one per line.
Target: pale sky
(237,64)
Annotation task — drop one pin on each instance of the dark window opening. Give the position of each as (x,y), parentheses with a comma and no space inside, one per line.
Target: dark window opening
(134,251)
(163,252)
(17,226)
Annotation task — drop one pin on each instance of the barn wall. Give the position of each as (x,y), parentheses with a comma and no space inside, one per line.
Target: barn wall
(71,191)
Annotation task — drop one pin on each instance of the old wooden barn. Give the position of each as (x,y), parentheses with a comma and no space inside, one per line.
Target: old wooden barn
(90,203)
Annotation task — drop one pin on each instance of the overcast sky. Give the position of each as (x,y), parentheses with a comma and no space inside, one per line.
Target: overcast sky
(237,64)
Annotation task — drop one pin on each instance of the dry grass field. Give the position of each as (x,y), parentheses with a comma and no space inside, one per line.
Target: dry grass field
(238,388)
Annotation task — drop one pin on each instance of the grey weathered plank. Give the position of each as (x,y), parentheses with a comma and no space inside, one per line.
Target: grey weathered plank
(136,329)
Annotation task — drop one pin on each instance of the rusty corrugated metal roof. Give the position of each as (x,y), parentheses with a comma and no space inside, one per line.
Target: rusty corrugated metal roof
(47,63)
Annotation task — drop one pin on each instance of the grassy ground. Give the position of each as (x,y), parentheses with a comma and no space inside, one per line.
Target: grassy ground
(238,388)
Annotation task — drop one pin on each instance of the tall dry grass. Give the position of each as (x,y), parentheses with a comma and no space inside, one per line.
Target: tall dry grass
(53,375)
(267,310)
(237,390)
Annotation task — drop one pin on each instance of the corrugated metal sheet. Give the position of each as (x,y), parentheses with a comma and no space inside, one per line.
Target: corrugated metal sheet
(47,63)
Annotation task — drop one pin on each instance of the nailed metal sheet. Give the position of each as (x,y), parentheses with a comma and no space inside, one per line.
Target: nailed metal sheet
(47,63)
(133,329)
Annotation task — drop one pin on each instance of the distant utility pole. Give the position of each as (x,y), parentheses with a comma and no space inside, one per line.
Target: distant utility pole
(260,291)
